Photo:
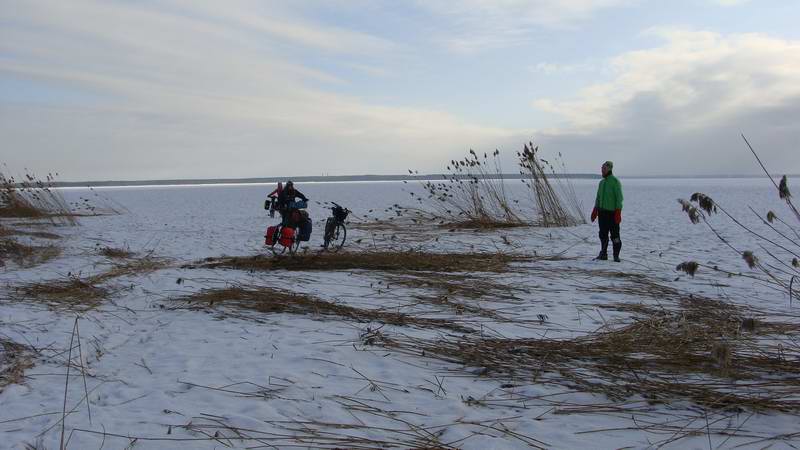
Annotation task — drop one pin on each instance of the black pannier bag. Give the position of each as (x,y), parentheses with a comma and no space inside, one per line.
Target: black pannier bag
(304,233)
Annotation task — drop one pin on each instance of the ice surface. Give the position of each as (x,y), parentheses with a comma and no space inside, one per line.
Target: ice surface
(151,370)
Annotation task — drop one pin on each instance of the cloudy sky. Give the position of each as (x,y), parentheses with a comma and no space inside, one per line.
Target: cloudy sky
(146,89)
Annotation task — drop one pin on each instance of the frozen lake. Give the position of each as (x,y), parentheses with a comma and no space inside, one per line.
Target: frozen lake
(207,220)
(160,375)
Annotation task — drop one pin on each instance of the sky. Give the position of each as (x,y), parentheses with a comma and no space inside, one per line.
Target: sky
(145,89)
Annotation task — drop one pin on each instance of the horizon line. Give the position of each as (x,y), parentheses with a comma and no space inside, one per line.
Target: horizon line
(365,177)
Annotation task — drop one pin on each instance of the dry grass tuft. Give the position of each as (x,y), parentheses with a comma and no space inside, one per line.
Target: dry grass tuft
(378,260)
(275,301)
(14,360)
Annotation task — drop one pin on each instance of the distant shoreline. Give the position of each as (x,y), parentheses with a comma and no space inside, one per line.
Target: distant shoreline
(350,178)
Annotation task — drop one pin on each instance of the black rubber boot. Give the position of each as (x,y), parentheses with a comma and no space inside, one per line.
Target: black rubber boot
(617,248)
(603,256)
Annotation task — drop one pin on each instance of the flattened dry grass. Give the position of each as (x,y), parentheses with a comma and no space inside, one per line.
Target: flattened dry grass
(274,301)
(710,352)
(378,260)
(14,360)
(77,293)
(116,253)
(457,284)
(481,224)
(5,231)
(415,221)
(457,292)
(26,255)
(138,266)
(72,293)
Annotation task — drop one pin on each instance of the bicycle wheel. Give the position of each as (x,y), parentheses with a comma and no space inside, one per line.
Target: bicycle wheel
(295,245)
(339,236)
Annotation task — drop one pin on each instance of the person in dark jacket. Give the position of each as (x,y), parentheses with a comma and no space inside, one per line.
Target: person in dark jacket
(608,208)
(285,198)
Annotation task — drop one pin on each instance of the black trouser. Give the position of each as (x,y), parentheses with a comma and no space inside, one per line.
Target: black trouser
(608,225)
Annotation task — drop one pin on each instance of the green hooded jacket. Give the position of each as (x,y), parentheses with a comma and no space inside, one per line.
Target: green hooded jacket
(609,194)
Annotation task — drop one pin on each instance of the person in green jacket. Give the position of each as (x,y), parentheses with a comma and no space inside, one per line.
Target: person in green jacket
(608,208)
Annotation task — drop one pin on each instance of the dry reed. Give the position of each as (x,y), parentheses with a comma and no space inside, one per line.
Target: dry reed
(779,240)
(76,293)
(376,260)
(115,253)
(472,194)
(457,293)
(550,209)
(72,293)
(700,349)
(26,255)
(14,360)
(33,198)
(7,231)
(276,301)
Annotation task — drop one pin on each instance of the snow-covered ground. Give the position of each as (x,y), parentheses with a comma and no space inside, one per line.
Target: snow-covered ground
(162,377)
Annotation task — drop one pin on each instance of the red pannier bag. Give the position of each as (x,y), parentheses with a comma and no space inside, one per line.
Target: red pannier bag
(287,237)
(269,236)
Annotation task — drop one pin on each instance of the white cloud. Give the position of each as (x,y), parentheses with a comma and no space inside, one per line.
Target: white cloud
(203,85)
(476,25)
(696,88)
(730,2)
(547,68)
